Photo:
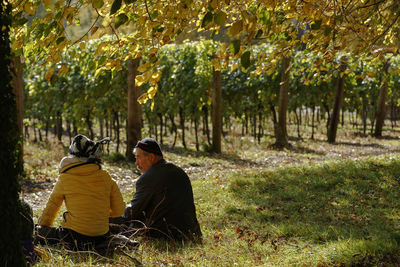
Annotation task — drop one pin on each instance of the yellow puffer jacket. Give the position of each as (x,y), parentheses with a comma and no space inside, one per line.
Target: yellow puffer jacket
(91,196)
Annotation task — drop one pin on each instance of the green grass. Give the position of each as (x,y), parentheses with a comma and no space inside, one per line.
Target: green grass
(346,212)
(337,213)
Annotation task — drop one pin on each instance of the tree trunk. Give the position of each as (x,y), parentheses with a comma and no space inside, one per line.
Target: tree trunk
(106,120)
(26,131)
(173,129)
(134,127)
(280,127)
(89,125)
(47,129)
(260,126)
(74,128)
(10,245)
(18,90)
(246,119)
(312,122)
(101,125)
(116,129)
(381,111)
(155,129)
(205,126)
(342,120)
(328,120)
(273,112)
(108,134)
(298,122)
(182,123)
(255,126)
(337,105)
(160,116)
(165,125)
(59,126)
(217,111)
(392,113)
(196,128)
(69,131)
(34,132)
(40,135)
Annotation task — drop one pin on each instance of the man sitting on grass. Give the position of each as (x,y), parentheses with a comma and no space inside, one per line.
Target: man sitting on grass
(162,205)
(90,196)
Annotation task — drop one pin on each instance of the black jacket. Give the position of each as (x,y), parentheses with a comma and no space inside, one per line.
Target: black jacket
(164,201)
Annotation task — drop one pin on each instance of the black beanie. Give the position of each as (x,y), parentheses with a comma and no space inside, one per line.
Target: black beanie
(149,145)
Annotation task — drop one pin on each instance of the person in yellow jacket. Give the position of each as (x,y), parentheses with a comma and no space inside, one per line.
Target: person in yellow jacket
(91,196)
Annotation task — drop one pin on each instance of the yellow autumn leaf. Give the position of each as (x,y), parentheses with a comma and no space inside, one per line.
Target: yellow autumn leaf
(214,4)
(98,71)
(141,79)
(153,50)
(143,98)
(152,92)
(234,67)
(142,20)
(144,67)
(371,74)
(155,77)
(100,49)
(17,45)
(63,70)
(49,74)
(82,45)
(93,30)
(47,2)
(270,71)
(109,65)
(236,28)
(29,8)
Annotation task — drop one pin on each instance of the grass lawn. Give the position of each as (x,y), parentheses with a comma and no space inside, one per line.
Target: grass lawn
(318,204)
(324,214)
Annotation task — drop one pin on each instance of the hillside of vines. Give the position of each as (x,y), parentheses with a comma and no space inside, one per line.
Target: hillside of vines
(74,97)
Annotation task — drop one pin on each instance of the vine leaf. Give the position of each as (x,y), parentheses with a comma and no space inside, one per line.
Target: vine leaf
(120,19)
(207,19)
(115,6)
(97,4)
(245,59)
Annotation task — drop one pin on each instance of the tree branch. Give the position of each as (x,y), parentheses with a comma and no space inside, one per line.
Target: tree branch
(94,23)
(373,4)
(386,30)
(147,9)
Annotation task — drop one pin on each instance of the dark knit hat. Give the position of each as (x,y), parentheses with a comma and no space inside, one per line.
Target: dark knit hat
(149,145)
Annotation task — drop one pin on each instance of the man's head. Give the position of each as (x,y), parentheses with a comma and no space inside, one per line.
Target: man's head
(148,153)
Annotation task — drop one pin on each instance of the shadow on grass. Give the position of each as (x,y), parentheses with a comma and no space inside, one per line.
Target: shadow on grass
(233,158)
(31,186)
(371,145)
(323,204)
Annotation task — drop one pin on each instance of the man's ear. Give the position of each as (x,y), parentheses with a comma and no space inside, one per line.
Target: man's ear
(152,157)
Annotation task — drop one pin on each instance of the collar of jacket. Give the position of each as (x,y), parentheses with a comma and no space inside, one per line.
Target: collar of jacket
(80,167)
(161,161)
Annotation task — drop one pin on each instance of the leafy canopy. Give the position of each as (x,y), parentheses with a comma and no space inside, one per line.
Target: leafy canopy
(140,27)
